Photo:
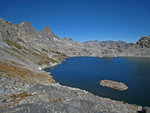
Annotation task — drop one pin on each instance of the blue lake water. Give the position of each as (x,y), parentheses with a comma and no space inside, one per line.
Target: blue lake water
(86,72)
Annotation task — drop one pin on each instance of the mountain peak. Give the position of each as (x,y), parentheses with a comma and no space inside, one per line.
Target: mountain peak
(23,23)
(47,33)
(26,27)
(46,29)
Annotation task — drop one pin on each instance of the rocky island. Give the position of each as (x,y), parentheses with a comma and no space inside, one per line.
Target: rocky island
(113,84)
(25,87)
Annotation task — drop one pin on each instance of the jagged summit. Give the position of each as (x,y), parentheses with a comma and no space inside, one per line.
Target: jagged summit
(47,33)
(47,28)
(27,28)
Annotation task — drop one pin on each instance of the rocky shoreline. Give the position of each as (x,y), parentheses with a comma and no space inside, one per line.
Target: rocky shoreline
(58,98)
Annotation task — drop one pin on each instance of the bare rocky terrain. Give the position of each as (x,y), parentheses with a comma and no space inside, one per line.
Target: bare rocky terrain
(25,87)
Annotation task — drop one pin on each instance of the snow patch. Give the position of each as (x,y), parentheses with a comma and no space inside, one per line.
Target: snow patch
(22,23)
(55,38)
(40,68)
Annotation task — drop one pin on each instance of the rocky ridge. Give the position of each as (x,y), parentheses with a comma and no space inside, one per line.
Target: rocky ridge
(25,87)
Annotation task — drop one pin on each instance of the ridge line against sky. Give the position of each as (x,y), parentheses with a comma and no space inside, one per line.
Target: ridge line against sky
(83,20)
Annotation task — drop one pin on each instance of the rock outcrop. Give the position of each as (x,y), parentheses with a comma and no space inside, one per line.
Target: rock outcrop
(144,42)
(57,98)
(114,85)
(25,87)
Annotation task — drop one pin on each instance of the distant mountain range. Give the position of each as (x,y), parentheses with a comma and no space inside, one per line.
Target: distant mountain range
(108,42)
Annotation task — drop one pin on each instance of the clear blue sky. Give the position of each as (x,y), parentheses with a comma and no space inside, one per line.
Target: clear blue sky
(83,20)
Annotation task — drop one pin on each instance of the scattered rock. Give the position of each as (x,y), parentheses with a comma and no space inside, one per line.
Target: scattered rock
(57,98)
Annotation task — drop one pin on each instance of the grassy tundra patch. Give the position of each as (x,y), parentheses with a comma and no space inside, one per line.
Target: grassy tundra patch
(23,73)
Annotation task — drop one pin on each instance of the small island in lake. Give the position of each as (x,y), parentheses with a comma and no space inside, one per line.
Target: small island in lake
(113,84)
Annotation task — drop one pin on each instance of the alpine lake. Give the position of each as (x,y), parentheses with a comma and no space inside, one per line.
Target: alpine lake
(86,72)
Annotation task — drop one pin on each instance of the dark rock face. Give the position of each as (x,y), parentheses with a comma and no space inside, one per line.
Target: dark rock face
(144,42)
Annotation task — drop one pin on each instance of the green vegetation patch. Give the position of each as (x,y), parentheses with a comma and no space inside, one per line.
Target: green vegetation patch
(9,42)
(26,74)
(20,58)
(41,57)
(17,51)
(46,60)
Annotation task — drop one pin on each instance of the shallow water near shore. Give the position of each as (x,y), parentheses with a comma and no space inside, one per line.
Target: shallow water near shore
(86,72)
